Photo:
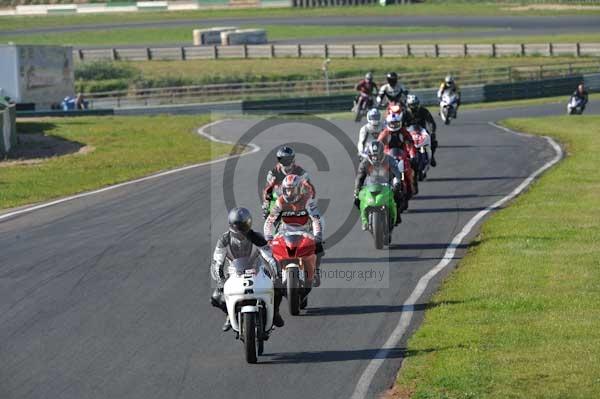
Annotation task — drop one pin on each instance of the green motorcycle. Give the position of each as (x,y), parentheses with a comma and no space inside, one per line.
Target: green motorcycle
(378,211)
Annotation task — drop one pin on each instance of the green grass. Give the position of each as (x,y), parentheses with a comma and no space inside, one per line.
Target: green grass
(520,317)
(563,38)
(178,35)
(446,8)
(125,148)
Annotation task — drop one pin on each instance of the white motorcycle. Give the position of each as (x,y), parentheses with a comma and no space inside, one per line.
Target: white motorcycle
(448,104)
(575,106)
(249,297)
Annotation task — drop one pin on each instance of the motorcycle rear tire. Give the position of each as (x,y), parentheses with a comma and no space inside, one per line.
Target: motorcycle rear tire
(249,336)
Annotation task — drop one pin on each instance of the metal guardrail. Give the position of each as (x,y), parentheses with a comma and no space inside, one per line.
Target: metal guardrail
(336,51)
(304,88)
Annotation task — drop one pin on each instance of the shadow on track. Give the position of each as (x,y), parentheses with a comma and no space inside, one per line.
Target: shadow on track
(369,309)
(341,355)
(444,210)
(456,196)
(384,259)
(426,246)
(484,178)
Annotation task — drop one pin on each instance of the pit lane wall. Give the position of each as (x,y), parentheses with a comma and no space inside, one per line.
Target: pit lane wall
(8,127)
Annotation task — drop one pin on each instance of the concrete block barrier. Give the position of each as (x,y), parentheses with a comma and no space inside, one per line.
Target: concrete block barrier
(244,36)
(210,36)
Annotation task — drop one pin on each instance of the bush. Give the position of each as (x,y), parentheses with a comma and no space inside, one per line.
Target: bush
(104,70)
(102,85)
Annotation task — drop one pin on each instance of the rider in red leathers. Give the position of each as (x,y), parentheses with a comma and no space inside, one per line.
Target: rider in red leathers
(395,138)
(366,86)
(296,207)
(285,166)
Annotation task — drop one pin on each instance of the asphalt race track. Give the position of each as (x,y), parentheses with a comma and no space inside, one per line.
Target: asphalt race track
(502,25)
(108,296)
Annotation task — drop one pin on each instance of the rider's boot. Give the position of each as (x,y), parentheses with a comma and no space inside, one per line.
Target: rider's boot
(226,325)
(317,277)
(277,319)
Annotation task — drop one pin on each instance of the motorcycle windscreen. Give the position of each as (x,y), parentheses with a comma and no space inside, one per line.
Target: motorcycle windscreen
(241,266)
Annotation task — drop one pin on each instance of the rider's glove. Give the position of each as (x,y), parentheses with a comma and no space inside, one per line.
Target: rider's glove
(356,199)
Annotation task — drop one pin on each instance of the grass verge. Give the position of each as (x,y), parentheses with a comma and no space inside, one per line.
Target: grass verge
(124,148)
(446,8)
(520,317)
(183,34)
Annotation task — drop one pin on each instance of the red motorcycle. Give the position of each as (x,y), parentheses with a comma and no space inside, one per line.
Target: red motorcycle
(294,249)
(404,165)
(419,156)
(362,106)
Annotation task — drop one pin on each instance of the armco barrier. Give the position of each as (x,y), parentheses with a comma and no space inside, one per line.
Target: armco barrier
(470,94)
(530,89)
(340,51)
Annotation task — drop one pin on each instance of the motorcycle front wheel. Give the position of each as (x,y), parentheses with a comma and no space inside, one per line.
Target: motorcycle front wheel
(378,224)
(249,335)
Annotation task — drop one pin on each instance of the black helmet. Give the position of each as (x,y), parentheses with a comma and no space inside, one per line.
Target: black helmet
(413,101)
(375,152)
(240,220)
(286,156)
(392,78)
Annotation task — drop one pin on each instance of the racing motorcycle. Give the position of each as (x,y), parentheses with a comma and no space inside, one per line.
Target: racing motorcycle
(249,299)
(448,106)
(294,249)
(420,157)
(575,106)
(377,205)
(407,175)
(363,105)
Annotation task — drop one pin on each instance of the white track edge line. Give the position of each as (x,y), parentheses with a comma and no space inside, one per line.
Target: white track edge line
(364,382)
(201,131)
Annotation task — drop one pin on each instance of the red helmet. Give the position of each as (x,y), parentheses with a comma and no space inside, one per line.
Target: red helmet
(290,188)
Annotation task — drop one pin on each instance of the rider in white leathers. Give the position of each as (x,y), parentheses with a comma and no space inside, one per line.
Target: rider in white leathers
(370,130)
(393,91)
(241,241)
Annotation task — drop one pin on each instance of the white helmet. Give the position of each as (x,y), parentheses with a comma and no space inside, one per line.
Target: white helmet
(449,79)
(290,188)
(394,122)
(374,117)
